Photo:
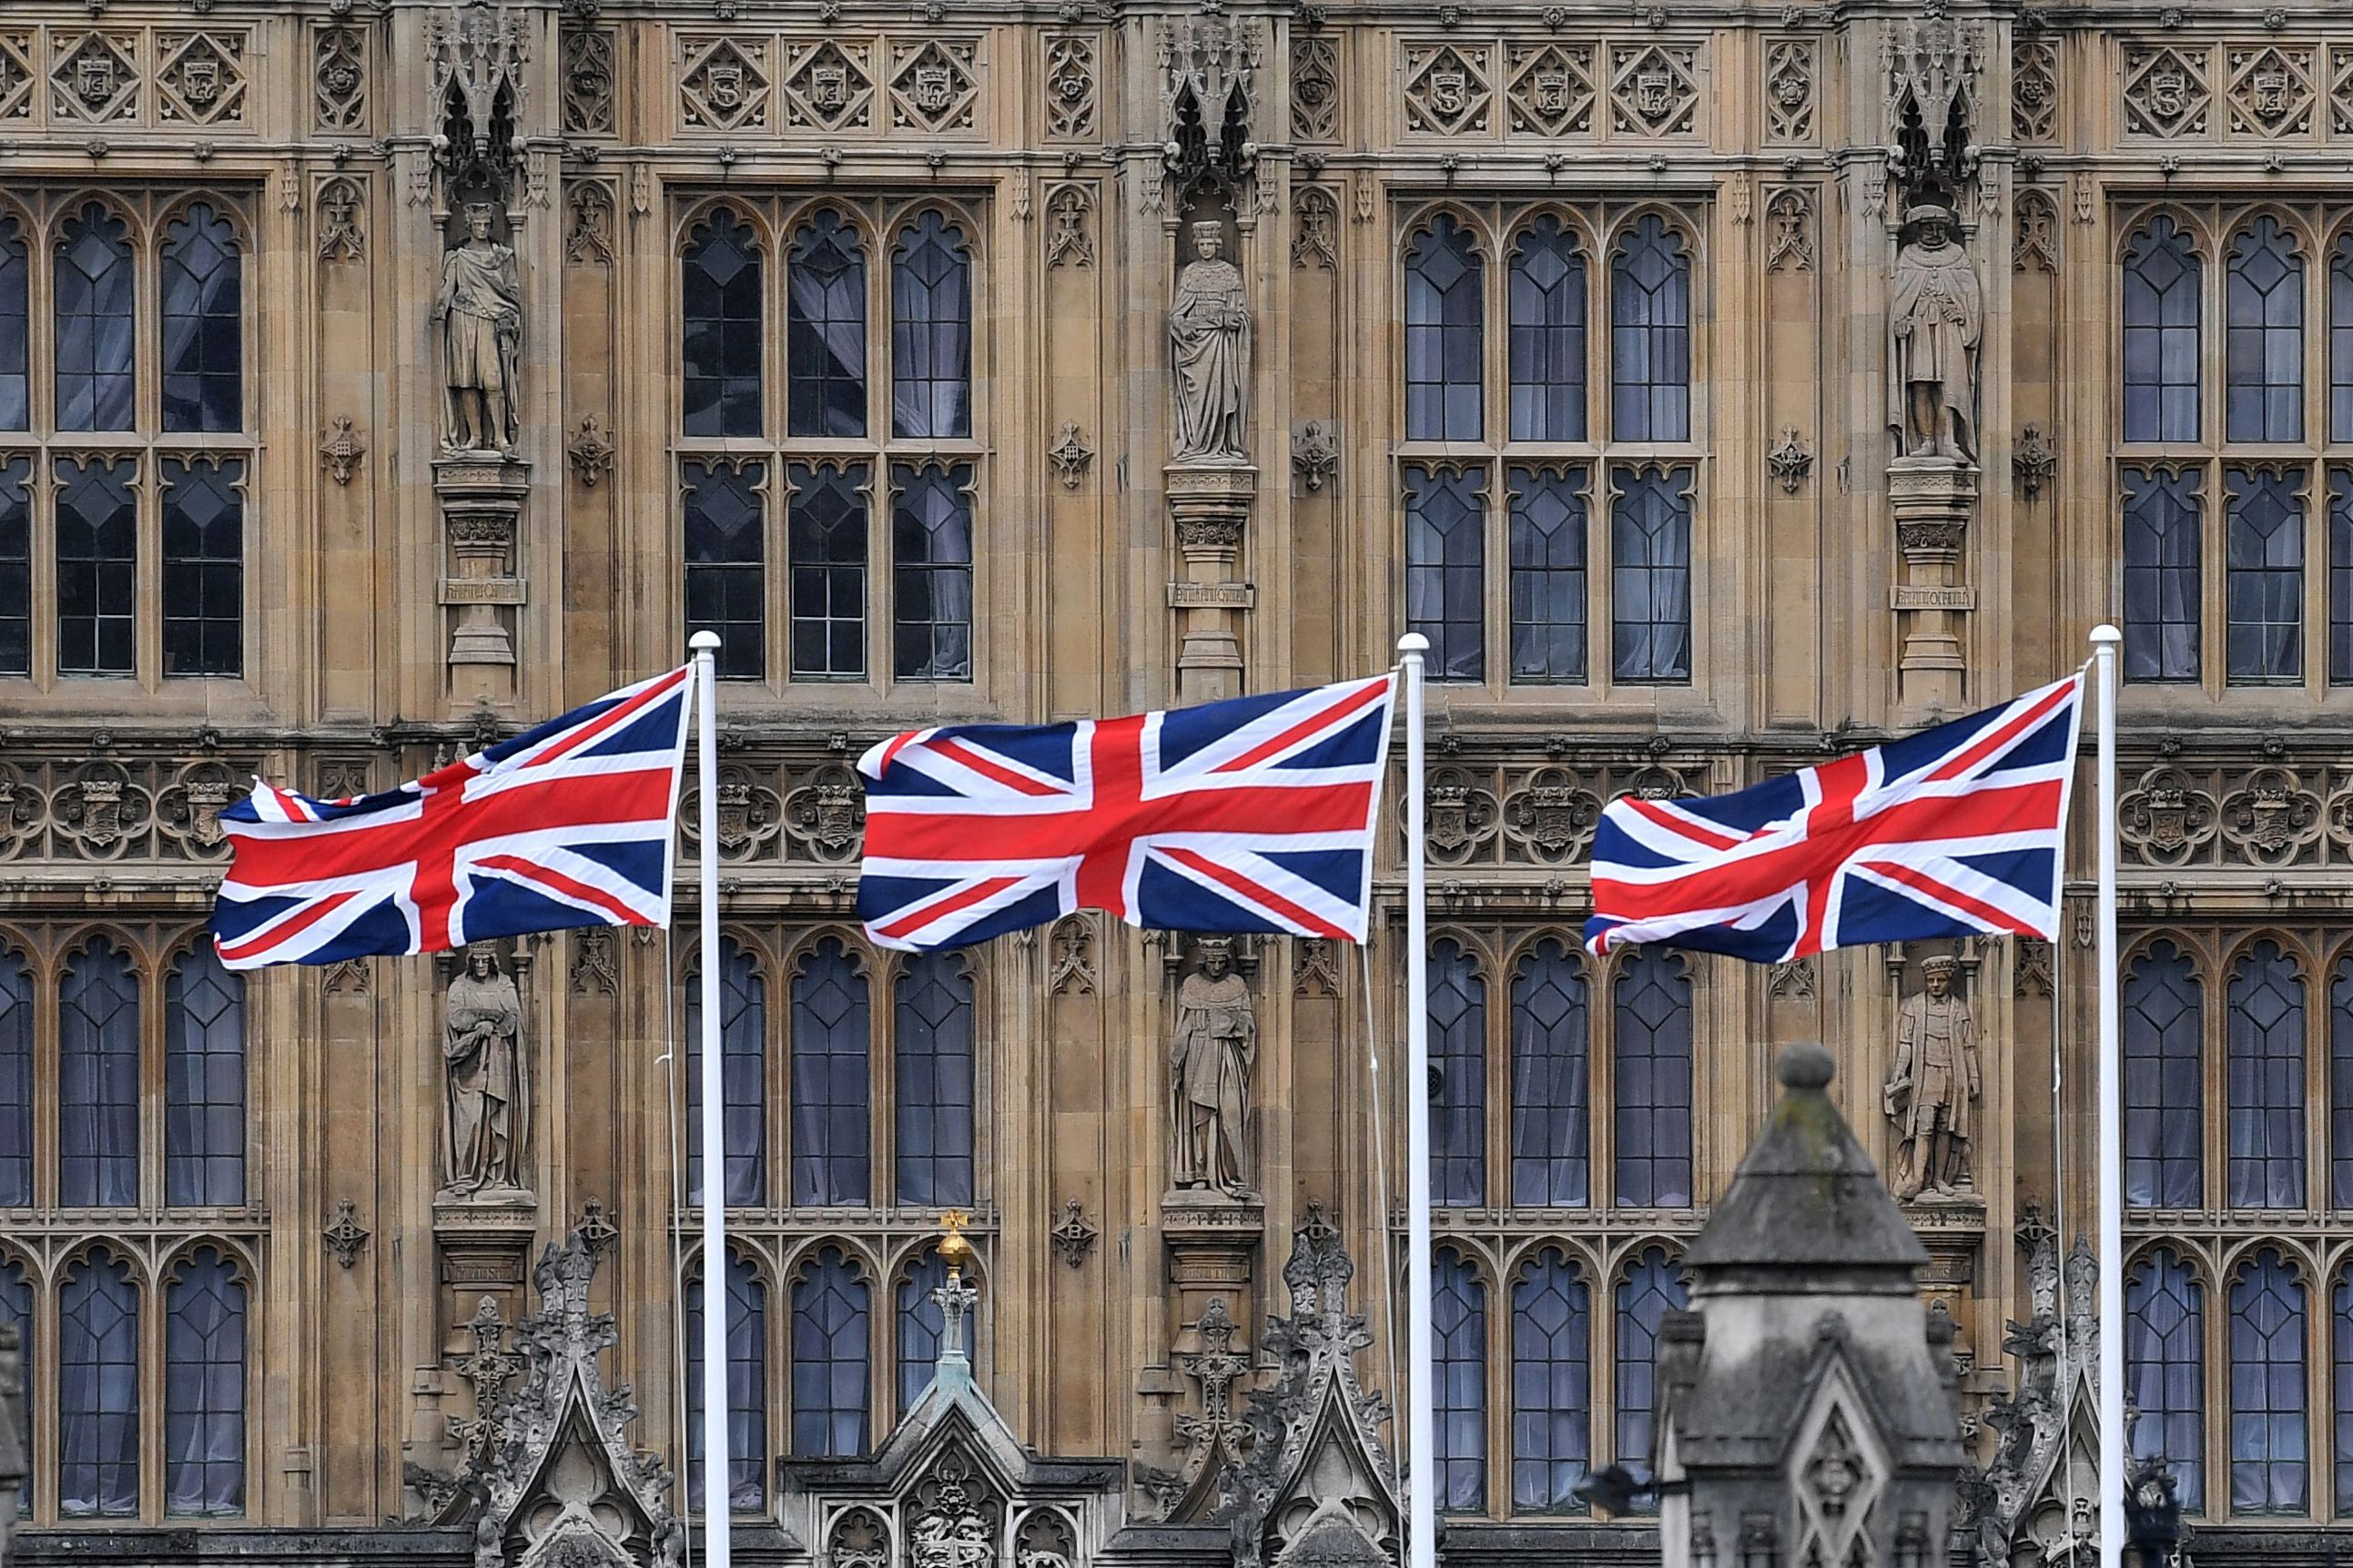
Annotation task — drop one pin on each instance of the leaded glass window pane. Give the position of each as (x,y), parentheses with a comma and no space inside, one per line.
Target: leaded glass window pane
(2164,1370)
(204,1387)
(1649,334)
(2340,576)
(98,1389)
(1653,1288)
(2163,508)
(98,1073)
(2340,339)
(832,1126)
(16,1082)
(2265,586)
(2161,287)
(1547,333)
(204,566)
(1649,575)
(2163,1021)
(15,325)
(1459,1382)
(2264,346)
(931,332)
(2269,1457)
(726,575)
(94,284)
(2341,1363)
(922,1328)
(1551,1109)
(1653,1064)
(97,556)
(1444,327)
(2340,1085)
(742,1072)
(203,323)
(203,1081)
(721,333)
(747,1388)
(1549,574)
(831,1354)
(16,565)
(931,570)
(2265,1092)
(1552,1383)
(1446,567)
(827,552)
(932,1059)
(16,1312)
(1458,1071)
(825,328)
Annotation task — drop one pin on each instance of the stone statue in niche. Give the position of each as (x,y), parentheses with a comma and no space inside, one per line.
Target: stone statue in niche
(1209,1068)
(488,1093)
(479,312)
(1932,1090)
(1936,318)
(1210,353)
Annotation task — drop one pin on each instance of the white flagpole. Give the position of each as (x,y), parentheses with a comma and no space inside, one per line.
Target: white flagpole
(1421,1426)
(715,1489)
(2106,640)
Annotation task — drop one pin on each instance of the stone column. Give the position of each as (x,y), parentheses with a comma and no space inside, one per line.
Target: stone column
(1210,506)
(1931,499)
(481,499)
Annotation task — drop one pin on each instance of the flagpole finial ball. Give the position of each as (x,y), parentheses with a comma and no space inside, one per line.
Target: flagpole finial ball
(1413,642)
(2104,633)
(1805,1065)
(705,642)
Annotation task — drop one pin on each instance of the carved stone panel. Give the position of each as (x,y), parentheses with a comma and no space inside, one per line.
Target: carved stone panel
(1070,85)
(1314,88)
(2033,87)
(2271,91)
(933,85)
(339,78)
(829,85)
(2165,93)
(1789,90)
(587,75)
(725,83)
(1552,91)
(1447,89)
(201,77)
(1654,91)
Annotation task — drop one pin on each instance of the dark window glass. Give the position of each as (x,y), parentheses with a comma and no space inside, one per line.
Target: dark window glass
(95,312)
(931,570)
(2160,314)
(824,329)
(922,1328)
(98,1073)
(1651,1288)
(98,1389)
(1649,575)
(1551,1112)
(742,1072)
(826,549)
(204,1081)
(16,1312)
(204,566)
(726,546)
(15,326)
(1445,568)
(2340,339)
(723,332)
(1547,327)
(1654,1081)
(2340,1087)
(931,331)
(932,1055)
(1551,1382)
(832,1131)
(831,1351)
(2162,512)
(204,1387)
(16,565)
(1649,335)
(1548,616)
(2341,576)
(203,323)
(747,1389)
(1458,1070)
(2269,1457)
(2164,1370)
(2164,1010)
(2266,1081)
(2263,347)
(98,553)
(2341,1350)
(1444,359)
(1459,1379)
(16,1082)
(2265,518)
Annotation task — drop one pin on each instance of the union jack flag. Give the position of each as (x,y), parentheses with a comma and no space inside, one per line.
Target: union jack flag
(567,826)
(1954,831)
(1254,815)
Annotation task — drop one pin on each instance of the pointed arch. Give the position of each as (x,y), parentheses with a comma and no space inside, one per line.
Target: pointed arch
(1650,332)
(825,326)
(1552,1115)
(98,1077)
(2164,1024)
(204,1384)
(1552,1382)
(1546,318)
(743,1073)
(16,318)
(2263,338)
(934,1068)
(747,1382)
(203,1081)
(1458,1061)
(832,1089)
(97,1388)
(16,1079)
(930,327)
(2270,1442)
(2165,1367)
(832,1351)
(722,301)
(1651,1072)
(2264,1084)
(203,316)
(94,294)
(1651,1288)
(1445,329)
(1459,1325)
(2163,284)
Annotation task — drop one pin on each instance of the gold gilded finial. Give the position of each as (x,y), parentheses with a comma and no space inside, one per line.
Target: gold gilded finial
(954,1248)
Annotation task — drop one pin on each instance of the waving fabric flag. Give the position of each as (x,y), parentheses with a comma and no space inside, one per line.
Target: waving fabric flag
(1953,832)
(1255,814)
(568,825)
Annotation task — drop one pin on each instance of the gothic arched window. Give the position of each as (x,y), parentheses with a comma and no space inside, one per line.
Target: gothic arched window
(16,565)
(97,312)
(16,1082)
(204,1387)
(2163,508)
(1649,334)
(2164,1369)
(726,551)
(2263,597)
(1444,357)
(1551,1382)
(1549,582)
(2340,1087)
(824,329)
(1459,1382)
(1551,1107)
(1653,1288)
(2340,338)
(931,570)
(2263,347)
(1649,575)
(98,1388)
(2164,1089)
(204,566)
(931,331)
(832,1124)
(2340,1330)
(15,325)
(98,564)
(723,335)
(1547,333)
(203,1081)
(2161,288)
(1458,1062)
(744,1072)
(747,1387)
(826,552)
(1653,1067)
(923,1327)
(2266,1092)
(98,1073)
(932,1061)
(2269,1452)
(833,1354)
(203,323)
(2340,574)
(1446,567)
(16,1312)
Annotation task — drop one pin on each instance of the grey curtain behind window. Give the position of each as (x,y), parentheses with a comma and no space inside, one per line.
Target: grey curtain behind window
(204,1388)
(931,332)
(98,1388)
(832,1128)
(832,1365)
(98,1073)
(1653,1288)
(2265,1091)
(2164,1370)
(932,1058)
(1551,1382)
(747,1389)
(2163,1020)
(2270,1470)
(1459,1378)
(1551,1112)
(203,1108)
(1458,1071)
